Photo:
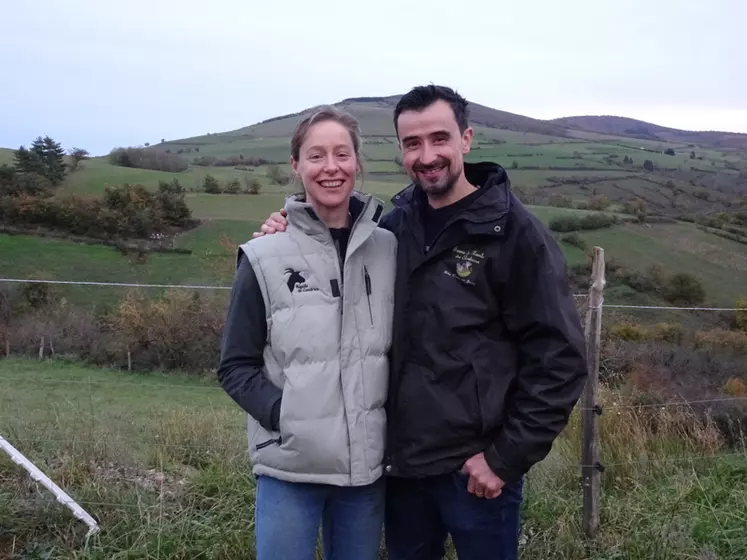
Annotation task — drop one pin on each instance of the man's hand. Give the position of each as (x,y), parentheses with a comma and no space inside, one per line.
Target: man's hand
(483,482)
(276,222)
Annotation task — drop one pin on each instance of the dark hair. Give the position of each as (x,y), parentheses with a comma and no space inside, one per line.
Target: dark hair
(421,97)
(327,113)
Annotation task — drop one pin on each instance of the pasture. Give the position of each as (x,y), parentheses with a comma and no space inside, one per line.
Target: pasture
(160,461)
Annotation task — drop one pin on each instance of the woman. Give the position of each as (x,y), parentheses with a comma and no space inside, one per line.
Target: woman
(305,354)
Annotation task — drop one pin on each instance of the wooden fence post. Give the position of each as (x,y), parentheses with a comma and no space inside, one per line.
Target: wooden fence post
(591,467)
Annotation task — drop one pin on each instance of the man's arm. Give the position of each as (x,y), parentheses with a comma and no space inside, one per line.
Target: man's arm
(277,221)
(241,367)
(540,313)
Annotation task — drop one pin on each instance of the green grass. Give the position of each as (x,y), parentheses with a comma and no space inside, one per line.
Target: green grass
(721,264)
(160,461)
(52,259)
(97,174)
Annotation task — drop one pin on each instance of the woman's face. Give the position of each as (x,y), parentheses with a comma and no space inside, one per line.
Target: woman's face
(327,165)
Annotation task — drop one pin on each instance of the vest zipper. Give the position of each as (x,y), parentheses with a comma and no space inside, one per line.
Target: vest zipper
(367,280)
(268,443)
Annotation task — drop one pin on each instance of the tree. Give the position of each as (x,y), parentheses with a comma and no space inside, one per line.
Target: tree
(669,152)
(46,157)
(211,185)
(648,165)
(76,156)
(233,186)
(692,155)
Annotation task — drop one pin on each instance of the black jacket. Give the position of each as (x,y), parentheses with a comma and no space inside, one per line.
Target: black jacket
(488,351)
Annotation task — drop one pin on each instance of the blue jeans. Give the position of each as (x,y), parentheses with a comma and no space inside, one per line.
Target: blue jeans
(420,513)
(288,514)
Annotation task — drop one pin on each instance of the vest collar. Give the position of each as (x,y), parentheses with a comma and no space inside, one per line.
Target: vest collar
(365,209)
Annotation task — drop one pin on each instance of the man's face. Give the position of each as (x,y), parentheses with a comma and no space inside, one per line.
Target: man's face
(432,147)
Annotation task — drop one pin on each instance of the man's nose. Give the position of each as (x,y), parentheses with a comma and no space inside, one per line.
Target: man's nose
(427,155)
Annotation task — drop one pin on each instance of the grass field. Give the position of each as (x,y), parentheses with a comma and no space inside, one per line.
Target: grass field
(160,461)
(719,263)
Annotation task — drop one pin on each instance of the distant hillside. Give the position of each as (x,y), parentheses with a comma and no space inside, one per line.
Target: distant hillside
(375,115)
(622,126)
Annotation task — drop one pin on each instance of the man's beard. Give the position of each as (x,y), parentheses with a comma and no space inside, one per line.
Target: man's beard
(444,186)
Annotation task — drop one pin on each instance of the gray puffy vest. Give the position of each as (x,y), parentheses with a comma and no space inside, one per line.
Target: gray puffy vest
(328,336)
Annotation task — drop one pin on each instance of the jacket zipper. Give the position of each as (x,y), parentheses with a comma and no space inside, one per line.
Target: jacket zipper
(268,443)
(367,280)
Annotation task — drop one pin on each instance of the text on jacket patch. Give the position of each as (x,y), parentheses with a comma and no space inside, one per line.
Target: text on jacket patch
(466,259)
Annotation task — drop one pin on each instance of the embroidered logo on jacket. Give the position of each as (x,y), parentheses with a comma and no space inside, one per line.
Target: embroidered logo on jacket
(466,263)
(297,283)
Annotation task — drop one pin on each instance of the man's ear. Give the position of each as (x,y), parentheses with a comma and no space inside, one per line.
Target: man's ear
(467,136)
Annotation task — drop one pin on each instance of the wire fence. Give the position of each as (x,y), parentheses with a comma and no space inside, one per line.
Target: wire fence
(89,406)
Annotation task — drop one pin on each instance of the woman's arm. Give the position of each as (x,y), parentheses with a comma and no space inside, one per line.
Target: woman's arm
(244,334)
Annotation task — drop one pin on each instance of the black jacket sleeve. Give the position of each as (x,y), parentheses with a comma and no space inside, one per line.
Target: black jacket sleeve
(540,313)
(241,366)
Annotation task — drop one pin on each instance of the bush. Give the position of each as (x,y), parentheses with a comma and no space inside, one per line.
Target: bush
(276,175)
(628,331)
(684,289)
(564,224)
(125,211)
(719,339)
(599,203)
(560,201)
(668,332)
(575,240)
(253,186)
(735,387)
(233,186)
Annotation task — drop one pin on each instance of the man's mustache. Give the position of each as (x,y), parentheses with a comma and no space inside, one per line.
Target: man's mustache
(435,165)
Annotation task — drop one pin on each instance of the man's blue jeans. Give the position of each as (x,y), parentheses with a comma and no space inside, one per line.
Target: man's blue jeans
(420,513)
(288,514)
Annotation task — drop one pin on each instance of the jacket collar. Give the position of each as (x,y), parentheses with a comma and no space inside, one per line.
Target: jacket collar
(491,206)
(365,209)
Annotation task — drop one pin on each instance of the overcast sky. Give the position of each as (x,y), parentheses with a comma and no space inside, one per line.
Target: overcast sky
(98,74)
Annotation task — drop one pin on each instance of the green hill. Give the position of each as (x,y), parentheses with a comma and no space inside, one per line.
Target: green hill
(548,162)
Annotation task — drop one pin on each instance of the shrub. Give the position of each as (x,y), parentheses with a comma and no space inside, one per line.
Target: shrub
(720,339)
(276,175)
(628,331)
(668,332)
(560,201)
(735,387)
(233,186)
(684,289)
(599,203)
(564,224)
(575,240)
(253,186)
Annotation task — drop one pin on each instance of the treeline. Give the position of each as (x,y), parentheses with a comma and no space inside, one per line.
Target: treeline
(142,158)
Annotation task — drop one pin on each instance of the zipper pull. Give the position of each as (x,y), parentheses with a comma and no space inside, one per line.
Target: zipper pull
(368,281)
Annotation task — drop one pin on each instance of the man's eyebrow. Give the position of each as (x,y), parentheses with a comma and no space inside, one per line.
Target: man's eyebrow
(440,132)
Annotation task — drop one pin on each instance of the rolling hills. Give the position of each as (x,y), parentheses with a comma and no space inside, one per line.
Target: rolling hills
(550,163)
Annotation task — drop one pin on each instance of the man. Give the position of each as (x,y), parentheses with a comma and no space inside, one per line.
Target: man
(488,356)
